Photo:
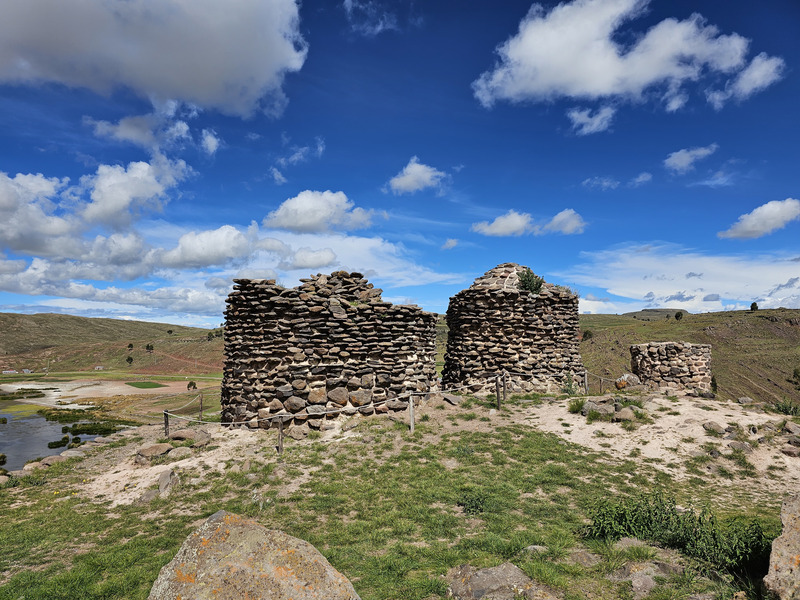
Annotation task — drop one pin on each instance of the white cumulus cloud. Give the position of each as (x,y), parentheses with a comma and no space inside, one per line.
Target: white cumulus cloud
(641,179)
(511,223)
(567,222)
(572,51)
(449,244)
(585,123)
(763,220)
(600,183)
(682,161)
(415,177)
(209,141)
(307,258)
(312,211)
(231,56)
(761,73)
(118,193)
(207,248)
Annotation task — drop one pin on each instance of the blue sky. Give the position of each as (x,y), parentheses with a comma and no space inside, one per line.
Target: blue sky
(644,153)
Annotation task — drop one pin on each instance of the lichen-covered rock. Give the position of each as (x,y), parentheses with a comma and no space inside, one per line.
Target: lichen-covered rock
(783,578)
(504,582)
(230,558)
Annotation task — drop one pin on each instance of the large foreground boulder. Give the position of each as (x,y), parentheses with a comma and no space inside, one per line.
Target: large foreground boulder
(230,558)
(783,578)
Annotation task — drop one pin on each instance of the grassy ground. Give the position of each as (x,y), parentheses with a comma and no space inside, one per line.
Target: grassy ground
(391,510)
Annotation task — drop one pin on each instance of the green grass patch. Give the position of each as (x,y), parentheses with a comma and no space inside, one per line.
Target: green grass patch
(144,385)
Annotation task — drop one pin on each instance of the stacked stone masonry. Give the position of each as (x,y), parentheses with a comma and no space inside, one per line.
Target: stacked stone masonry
(327,347)
(673,364)
(495,326)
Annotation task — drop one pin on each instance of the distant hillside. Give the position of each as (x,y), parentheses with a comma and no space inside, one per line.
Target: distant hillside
(753,353)
(68,343)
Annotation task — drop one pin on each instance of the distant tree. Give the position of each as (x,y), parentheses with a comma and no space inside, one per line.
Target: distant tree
(191,386)
(169,331)
(149,348)
(129,360)
(754,307)
(678,316)
(210,335)
(130,347)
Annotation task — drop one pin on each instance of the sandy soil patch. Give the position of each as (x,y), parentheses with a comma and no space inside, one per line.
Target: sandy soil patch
(674,438)
(80,392)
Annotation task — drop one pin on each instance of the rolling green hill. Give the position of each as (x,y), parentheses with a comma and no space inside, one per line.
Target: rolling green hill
(69,343)
(753,353)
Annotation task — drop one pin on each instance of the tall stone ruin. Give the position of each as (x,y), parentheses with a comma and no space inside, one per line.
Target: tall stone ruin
(327,347)
(495,326)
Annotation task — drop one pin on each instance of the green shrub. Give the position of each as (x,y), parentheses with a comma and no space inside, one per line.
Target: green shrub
(678,315)
(738,546)
(713,384)
(754,307)
(473,502)
(576,405)
(787,407)
(587,335)
(529,281)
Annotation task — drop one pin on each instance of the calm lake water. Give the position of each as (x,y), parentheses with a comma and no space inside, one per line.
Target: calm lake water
(26,434)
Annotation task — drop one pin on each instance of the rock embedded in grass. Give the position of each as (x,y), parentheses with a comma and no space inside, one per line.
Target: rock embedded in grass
(229,557)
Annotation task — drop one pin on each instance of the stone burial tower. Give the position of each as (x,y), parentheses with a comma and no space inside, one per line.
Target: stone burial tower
(327,347)
(496,325)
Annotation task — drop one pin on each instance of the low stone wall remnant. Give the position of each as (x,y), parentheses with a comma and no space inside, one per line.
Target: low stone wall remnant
(327,347)
(496,326)
(668,364)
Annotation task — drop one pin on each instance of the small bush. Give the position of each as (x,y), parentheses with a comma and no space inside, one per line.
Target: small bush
(738,546)
(473,502)
(576,405)
(713,384)
(587,335)
(787,407)
(529,281)
(678,315)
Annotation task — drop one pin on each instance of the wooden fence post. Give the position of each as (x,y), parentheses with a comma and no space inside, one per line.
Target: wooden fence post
(166,424)
(505,387)
(411,413)
(280,435)
(586,382)
(497,391)
(200,416)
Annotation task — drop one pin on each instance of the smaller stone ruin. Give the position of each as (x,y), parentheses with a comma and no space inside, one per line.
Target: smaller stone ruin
(497,327)
(673,364)
(327,347)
